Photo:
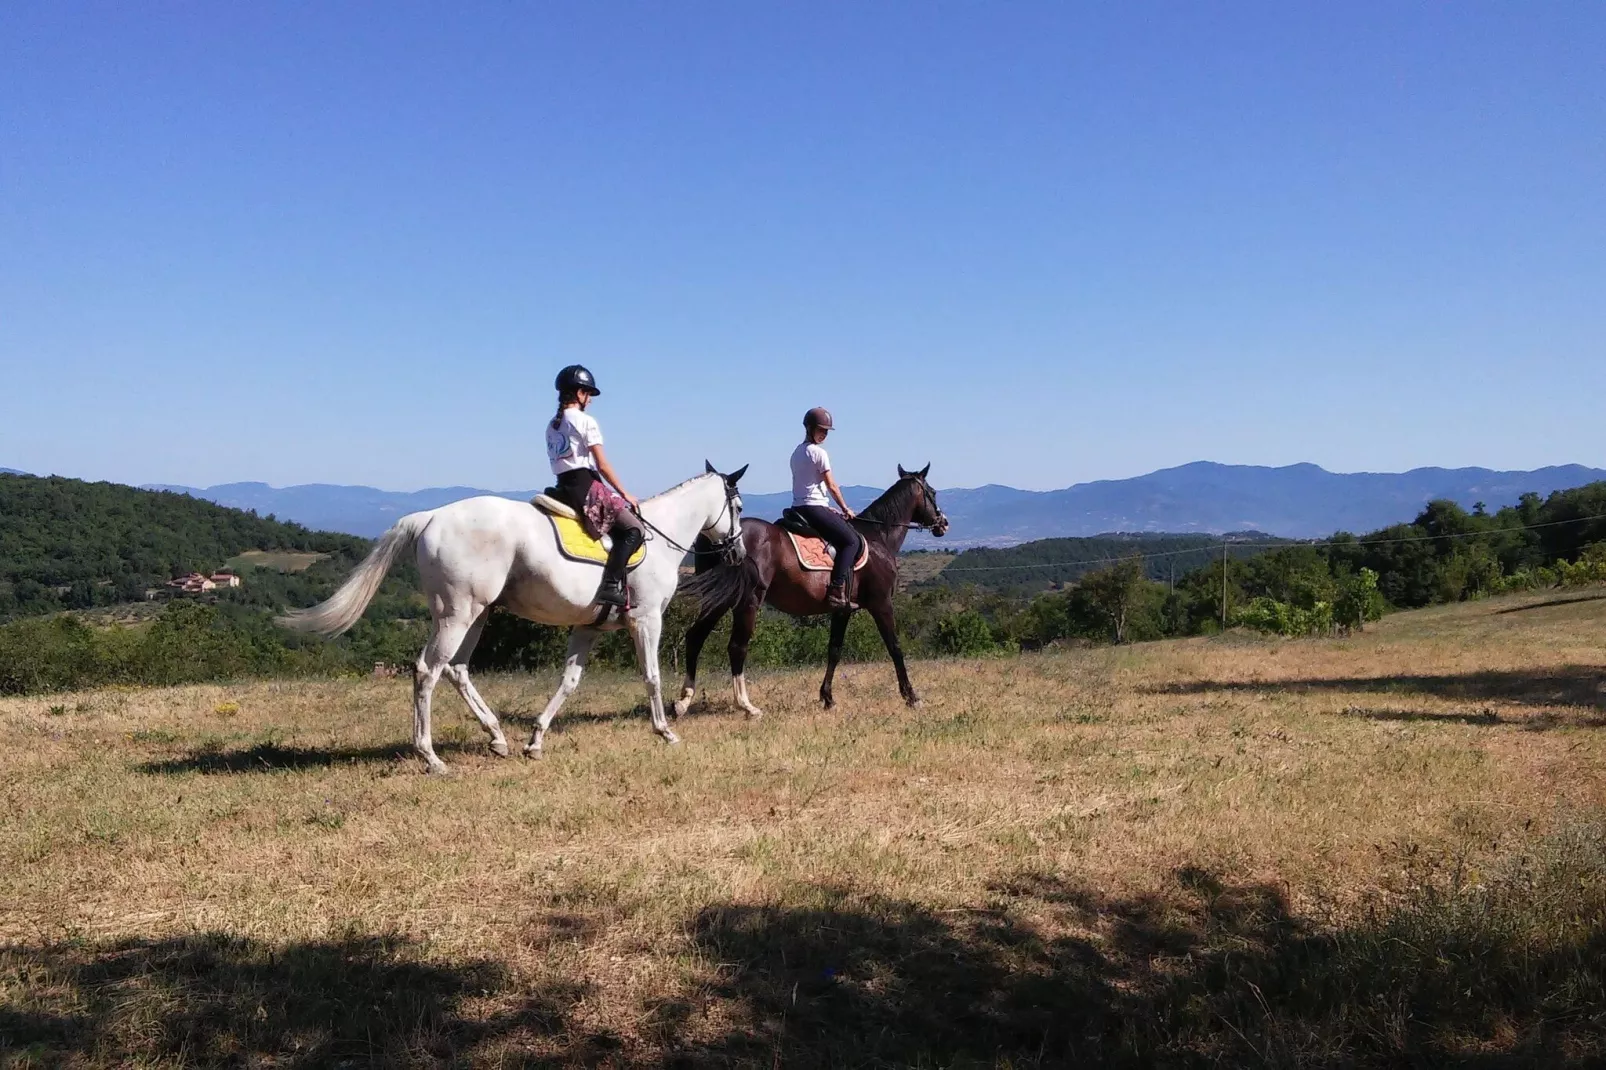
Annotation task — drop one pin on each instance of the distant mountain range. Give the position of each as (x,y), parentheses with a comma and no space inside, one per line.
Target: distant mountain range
(1296,501)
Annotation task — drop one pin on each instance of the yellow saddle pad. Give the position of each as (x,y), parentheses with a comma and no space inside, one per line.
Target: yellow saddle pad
(576,545)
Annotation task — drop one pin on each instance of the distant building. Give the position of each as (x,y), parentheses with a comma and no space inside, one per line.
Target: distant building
(194,583)
(225,579)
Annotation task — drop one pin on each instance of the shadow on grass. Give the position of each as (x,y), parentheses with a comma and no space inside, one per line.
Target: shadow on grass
(276,757)
(1568,685)
(1213,973)
(212,1000)
(1483,717)
(1207,972)
(1550,603)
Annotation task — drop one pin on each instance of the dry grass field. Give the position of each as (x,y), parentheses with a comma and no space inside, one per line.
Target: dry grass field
(1382,850)
(282,560)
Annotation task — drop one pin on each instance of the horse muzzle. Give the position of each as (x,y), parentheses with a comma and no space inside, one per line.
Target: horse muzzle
(939,528)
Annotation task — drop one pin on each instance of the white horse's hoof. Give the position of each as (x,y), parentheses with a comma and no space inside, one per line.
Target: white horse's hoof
(499,748)
(533,751)
(671,739)
(438,769)
(680,707)
(753,713)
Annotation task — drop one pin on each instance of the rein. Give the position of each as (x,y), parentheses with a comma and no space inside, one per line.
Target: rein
(720,548)
(857,519)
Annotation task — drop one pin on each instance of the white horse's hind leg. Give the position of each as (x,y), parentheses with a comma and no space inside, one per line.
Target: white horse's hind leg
(437,654)
(457,672)
(647,630)
(581,640)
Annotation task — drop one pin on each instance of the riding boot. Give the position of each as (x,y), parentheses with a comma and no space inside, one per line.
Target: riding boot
(836,597)
(612,591)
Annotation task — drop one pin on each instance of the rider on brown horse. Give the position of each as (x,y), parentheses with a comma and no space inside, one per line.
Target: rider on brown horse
(811,480)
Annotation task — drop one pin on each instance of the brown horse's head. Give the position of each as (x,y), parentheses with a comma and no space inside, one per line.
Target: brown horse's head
(926,511)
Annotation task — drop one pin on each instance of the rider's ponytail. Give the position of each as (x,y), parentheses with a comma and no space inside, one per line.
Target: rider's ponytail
(565,399)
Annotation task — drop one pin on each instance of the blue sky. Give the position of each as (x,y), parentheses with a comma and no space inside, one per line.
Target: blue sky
(1031,244)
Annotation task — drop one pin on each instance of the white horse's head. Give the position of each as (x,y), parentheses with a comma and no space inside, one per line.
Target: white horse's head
(723,528)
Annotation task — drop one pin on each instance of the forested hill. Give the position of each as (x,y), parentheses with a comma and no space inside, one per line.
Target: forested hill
(67,544)
(1046,563)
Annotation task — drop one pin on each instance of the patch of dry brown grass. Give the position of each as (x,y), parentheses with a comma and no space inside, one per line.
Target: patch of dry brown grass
(1066,855)
(280,560)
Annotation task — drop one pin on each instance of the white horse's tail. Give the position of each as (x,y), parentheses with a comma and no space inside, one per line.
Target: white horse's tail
(345,607)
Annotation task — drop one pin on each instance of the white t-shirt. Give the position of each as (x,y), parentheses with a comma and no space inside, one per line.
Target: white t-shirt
(569,445)
(809,465)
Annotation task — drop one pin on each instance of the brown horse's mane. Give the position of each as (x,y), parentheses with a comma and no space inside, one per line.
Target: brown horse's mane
(895,504)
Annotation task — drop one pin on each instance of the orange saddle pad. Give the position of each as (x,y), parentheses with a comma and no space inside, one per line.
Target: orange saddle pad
(815,554)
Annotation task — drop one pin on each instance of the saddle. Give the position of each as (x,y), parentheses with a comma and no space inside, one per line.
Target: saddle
(573,541)
(814,554)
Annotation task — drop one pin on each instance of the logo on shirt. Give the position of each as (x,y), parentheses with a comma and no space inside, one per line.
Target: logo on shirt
(558,445)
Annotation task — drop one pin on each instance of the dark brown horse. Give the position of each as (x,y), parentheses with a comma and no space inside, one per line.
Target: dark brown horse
(771,573)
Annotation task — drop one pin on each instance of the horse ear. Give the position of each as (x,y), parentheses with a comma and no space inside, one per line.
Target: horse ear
(707,468)
(924,470)
(736,476)
(901,473)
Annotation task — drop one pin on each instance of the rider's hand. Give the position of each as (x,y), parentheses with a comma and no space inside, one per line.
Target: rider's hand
(635,502)
(847,512)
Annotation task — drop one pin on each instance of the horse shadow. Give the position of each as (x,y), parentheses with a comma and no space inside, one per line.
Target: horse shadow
(1574,686)
(276,757)
(216,999)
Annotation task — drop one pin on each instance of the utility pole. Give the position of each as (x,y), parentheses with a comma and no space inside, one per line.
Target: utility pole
(1223,584)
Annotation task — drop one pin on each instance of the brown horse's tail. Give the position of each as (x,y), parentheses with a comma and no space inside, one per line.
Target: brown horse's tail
(720,587)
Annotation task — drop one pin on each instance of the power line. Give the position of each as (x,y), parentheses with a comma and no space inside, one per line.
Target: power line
(1228,543)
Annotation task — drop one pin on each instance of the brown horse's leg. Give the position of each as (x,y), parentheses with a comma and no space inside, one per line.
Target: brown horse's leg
(839,632)
(696,636)
(744,618)
(882,614)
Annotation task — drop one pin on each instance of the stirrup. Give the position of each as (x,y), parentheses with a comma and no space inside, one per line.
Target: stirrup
(836,597)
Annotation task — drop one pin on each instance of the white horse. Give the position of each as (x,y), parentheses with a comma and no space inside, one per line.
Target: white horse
(483,551)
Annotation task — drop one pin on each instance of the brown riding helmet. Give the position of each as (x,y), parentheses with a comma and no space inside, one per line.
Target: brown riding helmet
(819,416)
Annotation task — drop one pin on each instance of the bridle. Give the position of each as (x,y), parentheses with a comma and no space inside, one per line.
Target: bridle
(931,496)
(725,547)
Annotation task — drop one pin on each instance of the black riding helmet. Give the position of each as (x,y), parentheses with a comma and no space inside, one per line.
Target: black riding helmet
(577,377)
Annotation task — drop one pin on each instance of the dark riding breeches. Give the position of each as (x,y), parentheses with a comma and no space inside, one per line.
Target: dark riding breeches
(835,529)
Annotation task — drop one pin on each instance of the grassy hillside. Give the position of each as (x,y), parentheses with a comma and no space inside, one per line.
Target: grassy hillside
(67,544)
(1381,851)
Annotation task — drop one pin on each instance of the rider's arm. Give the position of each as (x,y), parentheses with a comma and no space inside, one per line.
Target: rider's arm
(613,477)
(836,492)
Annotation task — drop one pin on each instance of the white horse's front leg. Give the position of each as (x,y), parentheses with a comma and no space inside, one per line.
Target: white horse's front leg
(581,640)
(647,630)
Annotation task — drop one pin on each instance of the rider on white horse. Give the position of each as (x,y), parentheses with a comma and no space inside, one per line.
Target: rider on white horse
(574,448)
(488,551)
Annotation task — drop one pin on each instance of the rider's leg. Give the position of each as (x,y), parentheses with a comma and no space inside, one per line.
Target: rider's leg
(835,529)
(627,536)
